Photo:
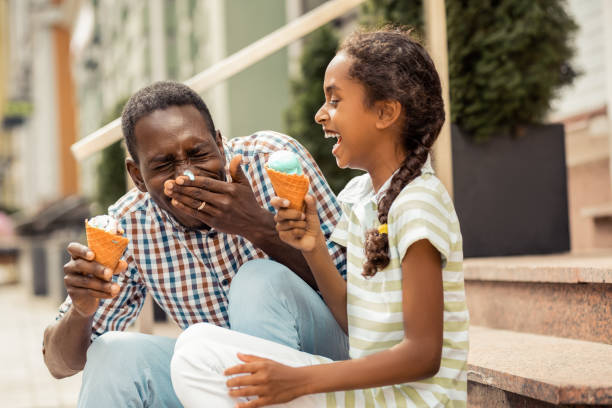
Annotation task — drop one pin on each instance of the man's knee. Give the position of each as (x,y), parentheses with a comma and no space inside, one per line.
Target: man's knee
(116,349)
(261,277)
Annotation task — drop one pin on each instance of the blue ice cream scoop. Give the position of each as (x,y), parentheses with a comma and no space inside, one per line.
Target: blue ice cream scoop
(285,161)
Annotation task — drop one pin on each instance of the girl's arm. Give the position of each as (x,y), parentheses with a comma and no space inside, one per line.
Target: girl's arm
(416,357)
(330,283)
(303,231)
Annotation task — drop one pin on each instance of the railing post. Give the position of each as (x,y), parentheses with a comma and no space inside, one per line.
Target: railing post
(435,25)
(607,17)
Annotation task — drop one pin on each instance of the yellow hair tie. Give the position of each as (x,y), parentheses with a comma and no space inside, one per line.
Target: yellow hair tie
(383,229)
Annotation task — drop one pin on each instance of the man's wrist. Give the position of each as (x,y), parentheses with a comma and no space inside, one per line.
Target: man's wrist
(262,230)
(74,314)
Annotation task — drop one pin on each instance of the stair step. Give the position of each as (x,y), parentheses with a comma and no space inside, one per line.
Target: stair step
(564,295)
(601,211)
(526,367)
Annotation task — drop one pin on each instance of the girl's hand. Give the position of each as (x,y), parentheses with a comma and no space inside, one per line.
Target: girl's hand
(300,230)
(269,381)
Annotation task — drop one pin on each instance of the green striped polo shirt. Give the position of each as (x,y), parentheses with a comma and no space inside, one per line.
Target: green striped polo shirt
(422,210)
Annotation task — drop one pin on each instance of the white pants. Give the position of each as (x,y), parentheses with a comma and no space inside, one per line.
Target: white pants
(204,351)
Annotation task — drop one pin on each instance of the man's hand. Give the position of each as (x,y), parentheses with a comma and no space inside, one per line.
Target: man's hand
(271,382)
(229,207)
(87,281)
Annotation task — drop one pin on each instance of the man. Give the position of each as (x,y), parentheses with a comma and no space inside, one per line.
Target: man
(188,240)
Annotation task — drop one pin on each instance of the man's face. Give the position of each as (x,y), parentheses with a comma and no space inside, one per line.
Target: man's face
(168,142)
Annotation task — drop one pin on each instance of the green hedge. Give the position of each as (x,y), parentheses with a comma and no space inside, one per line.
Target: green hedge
(507,58)
(111,172)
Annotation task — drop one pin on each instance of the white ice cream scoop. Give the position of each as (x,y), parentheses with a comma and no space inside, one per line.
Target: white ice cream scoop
(106,223)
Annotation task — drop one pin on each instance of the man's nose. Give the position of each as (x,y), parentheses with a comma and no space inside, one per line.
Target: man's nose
(321,116)
(180,168)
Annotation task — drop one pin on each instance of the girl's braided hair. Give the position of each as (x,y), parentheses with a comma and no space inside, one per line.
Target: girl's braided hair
(393,66)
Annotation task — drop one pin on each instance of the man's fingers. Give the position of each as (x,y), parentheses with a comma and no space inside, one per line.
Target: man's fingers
(236,172)
(206,183)
(189,201)
(75,292)
(206,215)
(121,267)
(77,250)
(75,280)
(193,197)
(88,268)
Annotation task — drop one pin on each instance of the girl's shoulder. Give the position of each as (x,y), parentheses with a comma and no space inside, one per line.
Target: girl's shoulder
(424,191)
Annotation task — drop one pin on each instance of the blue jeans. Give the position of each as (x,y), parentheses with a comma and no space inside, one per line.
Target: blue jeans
(266,300)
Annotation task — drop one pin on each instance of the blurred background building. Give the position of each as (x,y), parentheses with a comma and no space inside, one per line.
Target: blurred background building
(119,46)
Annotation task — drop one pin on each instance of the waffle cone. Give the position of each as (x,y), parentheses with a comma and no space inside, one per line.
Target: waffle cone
(293,187)
(107,247)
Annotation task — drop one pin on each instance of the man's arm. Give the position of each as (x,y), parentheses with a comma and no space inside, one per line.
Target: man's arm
(66,341)
(65,344)
(233,209)
(265,236)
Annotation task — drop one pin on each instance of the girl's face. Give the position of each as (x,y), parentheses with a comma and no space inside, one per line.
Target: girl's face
(345,116)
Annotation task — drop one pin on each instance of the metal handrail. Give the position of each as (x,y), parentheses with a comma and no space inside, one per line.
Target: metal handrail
(229,66)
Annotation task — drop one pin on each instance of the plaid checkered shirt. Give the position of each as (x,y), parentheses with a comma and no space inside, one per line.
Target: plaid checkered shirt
(188,272)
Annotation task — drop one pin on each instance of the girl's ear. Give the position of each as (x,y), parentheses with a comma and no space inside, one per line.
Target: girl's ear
(388,113)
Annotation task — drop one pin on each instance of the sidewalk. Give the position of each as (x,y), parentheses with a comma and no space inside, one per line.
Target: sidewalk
(25,381)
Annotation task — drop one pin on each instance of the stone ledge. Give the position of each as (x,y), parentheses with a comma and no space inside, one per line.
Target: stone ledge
(550,369)
(559,268)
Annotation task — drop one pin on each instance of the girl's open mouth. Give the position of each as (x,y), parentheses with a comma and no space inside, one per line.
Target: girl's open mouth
(329,134)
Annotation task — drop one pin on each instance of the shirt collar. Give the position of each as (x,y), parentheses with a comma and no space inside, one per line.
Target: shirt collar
(361,188)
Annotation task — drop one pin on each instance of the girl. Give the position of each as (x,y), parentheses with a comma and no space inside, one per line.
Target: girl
(403,304)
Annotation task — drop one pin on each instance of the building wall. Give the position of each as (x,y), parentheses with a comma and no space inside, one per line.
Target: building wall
(259,95)
(34,174)
(585,110)
(587,92)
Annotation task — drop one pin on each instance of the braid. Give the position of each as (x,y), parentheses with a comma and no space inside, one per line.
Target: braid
(377,244)
(392,66)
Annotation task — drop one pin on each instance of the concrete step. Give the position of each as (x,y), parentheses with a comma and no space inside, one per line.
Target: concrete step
(511,369)
(598,212)
(565,295)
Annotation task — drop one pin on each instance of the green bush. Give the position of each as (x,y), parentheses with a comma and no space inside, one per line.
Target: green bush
(507,58)
(111,173)
(376,13)
(307,97)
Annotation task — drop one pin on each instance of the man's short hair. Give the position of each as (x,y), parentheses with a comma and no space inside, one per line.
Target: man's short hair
(159,95)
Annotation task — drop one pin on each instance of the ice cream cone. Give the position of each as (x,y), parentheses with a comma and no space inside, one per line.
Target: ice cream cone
(293,187)
(107,247)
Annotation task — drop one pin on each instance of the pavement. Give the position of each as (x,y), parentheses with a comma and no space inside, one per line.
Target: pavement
(25,381)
